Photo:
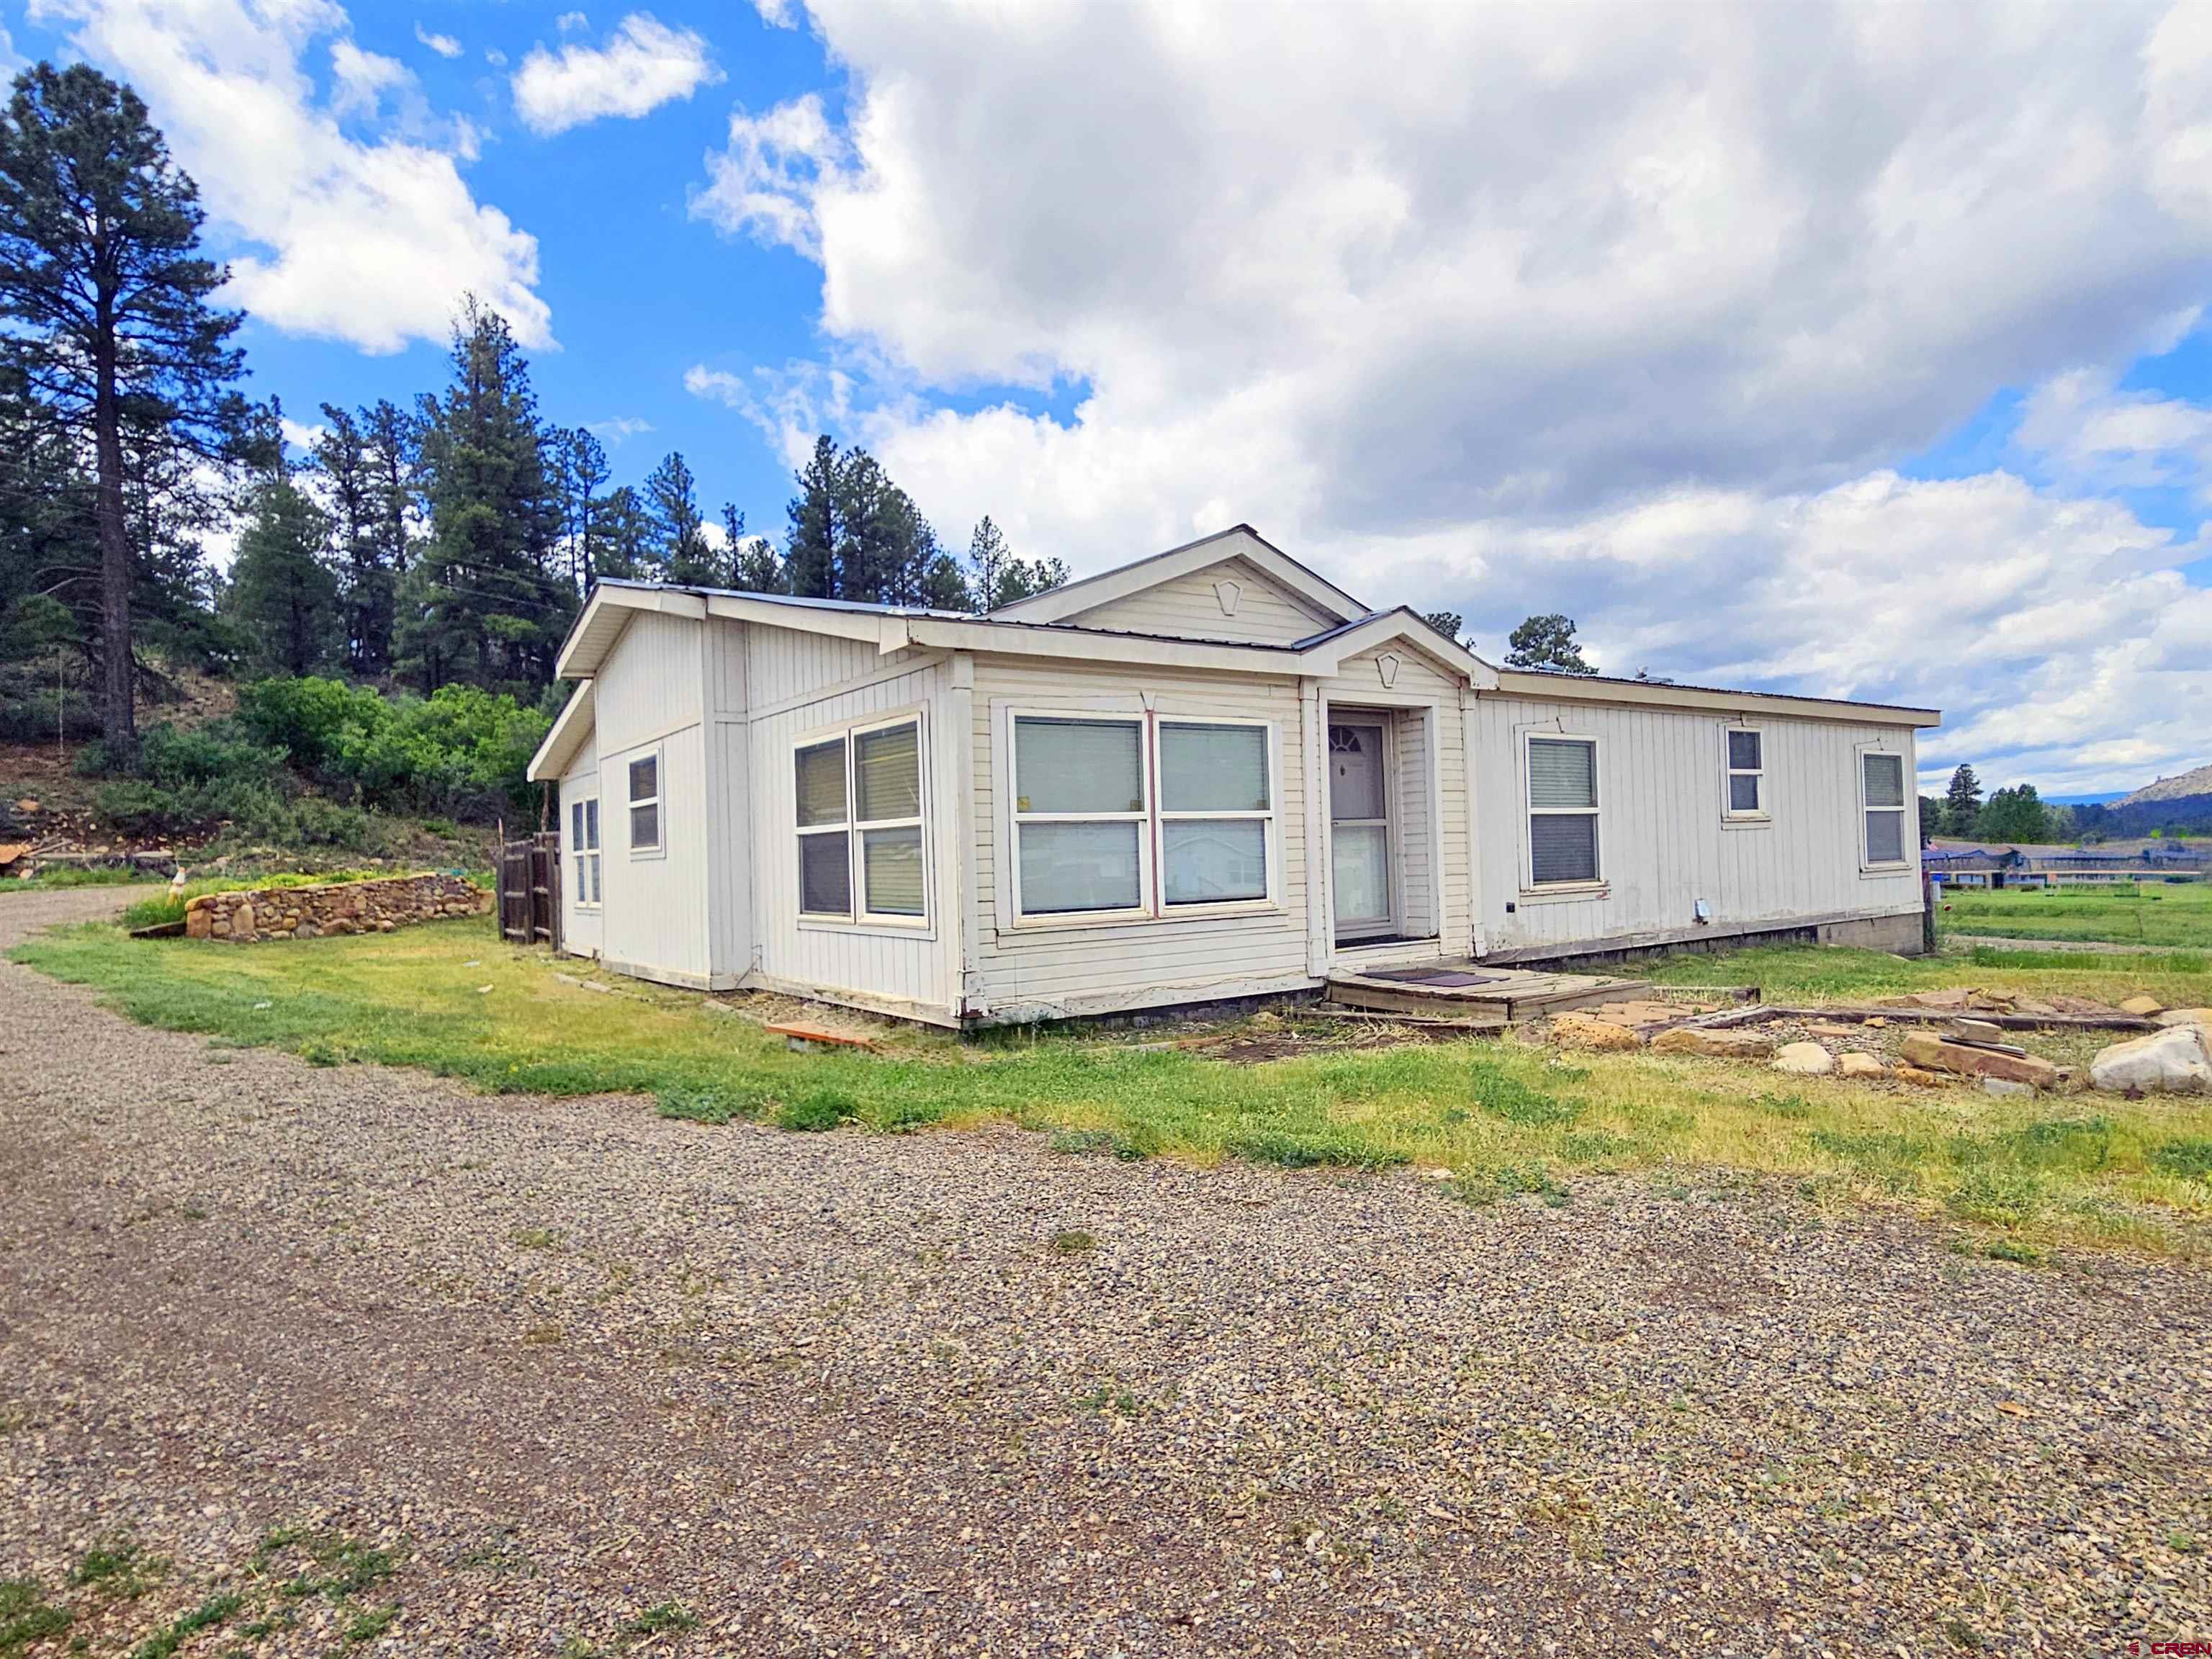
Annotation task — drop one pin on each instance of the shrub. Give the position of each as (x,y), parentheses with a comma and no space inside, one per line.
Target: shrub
(307,716)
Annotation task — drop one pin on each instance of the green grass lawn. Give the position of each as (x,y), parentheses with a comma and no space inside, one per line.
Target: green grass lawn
(1504,1116)
(2152,913)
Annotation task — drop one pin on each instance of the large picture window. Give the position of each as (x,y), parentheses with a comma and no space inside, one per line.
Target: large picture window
(584,849)
(1563,811)
(862,846)
(1216,802)
(1080,815)
(1882,806)
(1126,815)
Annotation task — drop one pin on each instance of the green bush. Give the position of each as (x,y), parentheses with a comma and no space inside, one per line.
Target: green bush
(253,809)
(307,717)
(459,752)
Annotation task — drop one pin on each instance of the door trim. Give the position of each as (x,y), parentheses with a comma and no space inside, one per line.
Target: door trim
(1383,722)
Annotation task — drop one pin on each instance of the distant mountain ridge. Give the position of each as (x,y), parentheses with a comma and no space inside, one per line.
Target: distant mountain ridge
(2181,787)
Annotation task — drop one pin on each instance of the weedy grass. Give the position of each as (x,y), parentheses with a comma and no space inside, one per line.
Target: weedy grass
(1506,1118)
(2148,912)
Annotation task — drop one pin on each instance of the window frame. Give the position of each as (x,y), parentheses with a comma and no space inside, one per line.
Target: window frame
(857,918)
(1162,816)
(1142,710)
(1580,886)
(1908,843)
(657,848)
(580,850)
(1764,812)
(1016,816)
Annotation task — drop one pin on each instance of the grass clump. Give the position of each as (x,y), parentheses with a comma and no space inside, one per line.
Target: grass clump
(25,1617)
(1074,1242)
(663,1616)
(172,1636)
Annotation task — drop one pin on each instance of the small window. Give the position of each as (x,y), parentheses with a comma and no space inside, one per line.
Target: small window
(1217,802)
(1882,806)
(861,844)
(1746,773)
(825,841)
(1079,815)
(644,804)
(584,848)
(1563,806)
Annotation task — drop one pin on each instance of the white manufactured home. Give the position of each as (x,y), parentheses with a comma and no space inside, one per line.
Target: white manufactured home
(1210,773)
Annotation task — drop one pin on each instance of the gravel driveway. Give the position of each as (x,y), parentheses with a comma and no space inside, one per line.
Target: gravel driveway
(848,1395)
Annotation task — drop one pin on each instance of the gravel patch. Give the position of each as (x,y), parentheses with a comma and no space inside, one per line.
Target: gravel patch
(951,1393)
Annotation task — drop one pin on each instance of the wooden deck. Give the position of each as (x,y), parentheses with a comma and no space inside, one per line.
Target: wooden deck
(1467,991)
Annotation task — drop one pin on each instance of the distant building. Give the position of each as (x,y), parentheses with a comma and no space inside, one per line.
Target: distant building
(1990,864)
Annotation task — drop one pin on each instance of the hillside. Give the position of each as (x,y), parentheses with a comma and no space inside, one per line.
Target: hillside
(2182,787)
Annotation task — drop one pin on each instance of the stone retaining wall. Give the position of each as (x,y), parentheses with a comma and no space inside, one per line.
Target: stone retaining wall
(348,907)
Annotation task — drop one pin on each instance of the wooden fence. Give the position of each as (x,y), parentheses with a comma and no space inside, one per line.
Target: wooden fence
(529,890)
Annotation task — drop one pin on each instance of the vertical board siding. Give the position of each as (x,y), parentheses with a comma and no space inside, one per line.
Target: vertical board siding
(649,695)
(1188,606)
(730,896)
(579,926)
(906,967)
(1033,971)
(1429,852)
(1663,843)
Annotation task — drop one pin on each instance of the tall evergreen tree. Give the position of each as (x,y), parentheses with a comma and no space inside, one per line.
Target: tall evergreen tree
(810,559)
(1962,803)
(282,594)
(1548,642)
(2015,815)
(491,555)
(109,298)
(625,537)
(581,474)
(754,567)
(996,576)
(685,555)
(350,491)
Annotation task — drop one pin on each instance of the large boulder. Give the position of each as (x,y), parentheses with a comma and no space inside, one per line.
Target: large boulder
(2142,1007)
(1804,1060)
(2184,1016)
(1713,1045)
(2177,1061)
(1934,1053)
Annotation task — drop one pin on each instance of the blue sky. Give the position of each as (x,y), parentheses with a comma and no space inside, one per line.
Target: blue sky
(1852,350)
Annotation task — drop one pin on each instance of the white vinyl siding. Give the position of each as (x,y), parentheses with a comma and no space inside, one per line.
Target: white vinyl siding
(1189,607)
(1664,847)
(1563,811)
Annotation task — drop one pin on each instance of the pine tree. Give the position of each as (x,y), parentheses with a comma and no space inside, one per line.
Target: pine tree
(282,593)
(624,537)
(1546,642)
(351,494)
(684,553)
(986,562)
(1962,803)
(580,475)
(876,531)
(492,553)
(109,301)
(810,560)
(1446,622)
(754,568)
(2015,815)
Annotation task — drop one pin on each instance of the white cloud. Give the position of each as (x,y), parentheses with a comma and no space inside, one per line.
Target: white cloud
(570,21)
(644,65)
(444,44)
(1624,312)
(369,241)
(619,429)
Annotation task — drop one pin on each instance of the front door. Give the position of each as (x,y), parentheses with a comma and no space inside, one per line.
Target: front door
(1359,826)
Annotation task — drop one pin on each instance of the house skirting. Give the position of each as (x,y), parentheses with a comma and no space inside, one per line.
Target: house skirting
(1898,931)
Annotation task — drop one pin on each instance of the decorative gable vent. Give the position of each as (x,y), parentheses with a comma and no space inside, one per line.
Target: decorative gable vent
(1387,667)
(1228,593)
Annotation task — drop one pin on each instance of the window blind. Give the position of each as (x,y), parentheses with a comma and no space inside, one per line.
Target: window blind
(821,784)
(1563,846)
(1213,769)
(1562,773)
(887,773)
(1079,766)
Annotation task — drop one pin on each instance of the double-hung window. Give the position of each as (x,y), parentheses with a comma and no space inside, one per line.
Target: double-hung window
(1217,800)
(584,848)
(1563,807)
(645,803)
(1882,807)
(1082,832)
(1745,772)
(1139,815)
(861,844)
